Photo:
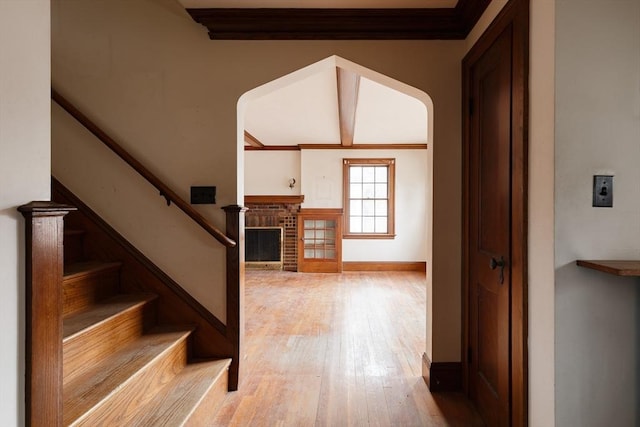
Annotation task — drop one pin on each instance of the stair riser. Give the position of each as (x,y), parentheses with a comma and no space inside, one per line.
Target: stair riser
(201,416)
(80,293)
(123,403)
(73,247)
(94,345)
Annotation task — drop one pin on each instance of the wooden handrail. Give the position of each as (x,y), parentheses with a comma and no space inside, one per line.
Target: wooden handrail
(164,190)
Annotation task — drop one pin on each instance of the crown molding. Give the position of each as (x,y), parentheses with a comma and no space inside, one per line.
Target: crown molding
(341,24)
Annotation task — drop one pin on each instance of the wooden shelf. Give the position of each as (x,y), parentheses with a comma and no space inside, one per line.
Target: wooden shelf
(273,199)
(629,268)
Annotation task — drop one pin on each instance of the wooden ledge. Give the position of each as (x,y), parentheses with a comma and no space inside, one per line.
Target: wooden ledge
(629,268)
(269,199)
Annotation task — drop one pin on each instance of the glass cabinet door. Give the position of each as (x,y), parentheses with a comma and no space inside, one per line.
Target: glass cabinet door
(320,240)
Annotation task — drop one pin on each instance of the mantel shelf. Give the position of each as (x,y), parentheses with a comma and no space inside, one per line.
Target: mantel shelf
(630,268)
(268,199)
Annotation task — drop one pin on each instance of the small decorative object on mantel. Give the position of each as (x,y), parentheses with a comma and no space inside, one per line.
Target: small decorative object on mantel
(628,268)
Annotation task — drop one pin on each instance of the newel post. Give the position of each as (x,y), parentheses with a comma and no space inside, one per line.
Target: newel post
(235,289)
(44,228)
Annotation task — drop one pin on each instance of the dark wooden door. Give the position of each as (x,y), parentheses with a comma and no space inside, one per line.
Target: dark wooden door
(495,127)
(490,230)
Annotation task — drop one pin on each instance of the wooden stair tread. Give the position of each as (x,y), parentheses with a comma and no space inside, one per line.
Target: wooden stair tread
(88,268)
(100,381)
(101,312)
(175,402)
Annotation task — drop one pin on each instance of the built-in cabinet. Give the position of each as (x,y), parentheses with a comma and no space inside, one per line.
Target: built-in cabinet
(320,240)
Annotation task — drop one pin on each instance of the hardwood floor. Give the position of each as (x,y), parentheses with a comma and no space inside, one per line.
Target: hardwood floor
(337,350)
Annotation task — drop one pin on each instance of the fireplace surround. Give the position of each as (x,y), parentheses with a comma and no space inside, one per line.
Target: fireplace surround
(277,211)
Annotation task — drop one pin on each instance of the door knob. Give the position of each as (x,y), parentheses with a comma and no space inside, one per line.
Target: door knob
(495,263)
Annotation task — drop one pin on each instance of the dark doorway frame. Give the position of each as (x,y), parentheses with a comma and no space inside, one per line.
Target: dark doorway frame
(515,15)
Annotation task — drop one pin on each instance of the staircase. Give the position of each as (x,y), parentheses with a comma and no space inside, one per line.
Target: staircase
(122,366)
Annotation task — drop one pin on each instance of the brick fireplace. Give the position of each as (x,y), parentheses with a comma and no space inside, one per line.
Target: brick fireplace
(277,211)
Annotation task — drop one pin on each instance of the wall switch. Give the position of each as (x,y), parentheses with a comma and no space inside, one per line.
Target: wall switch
(603,191)
(203,195)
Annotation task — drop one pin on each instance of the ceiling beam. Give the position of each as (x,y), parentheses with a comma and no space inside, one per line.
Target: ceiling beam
(340,24)
(348,88)
(252,140)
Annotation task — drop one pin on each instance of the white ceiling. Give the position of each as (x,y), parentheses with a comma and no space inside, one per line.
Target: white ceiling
(306,112)
(342,4)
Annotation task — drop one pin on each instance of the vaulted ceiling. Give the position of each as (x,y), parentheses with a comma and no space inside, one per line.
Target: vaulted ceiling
(335,107)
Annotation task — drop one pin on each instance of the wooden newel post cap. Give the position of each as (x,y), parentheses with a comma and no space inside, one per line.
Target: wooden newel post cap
(45,208)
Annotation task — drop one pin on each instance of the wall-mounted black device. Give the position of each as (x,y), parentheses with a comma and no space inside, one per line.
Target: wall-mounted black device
(203,195)
(603,191)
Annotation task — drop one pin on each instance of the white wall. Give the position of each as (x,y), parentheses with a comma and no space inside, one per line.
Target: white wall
(322,187)
(318,176)
(24,174)
(269,172)
(597,131)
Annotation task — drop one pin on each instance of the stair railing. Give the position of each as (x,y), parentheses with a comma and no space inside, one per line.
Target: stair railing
(165,191)
(234,235)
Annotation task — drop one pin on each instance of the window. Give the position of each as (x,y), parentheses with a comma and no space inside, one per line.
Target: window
(368,198)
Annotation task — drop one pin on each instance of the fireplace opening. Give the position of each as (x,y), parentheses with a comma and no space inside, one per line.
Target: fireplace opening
(263,247)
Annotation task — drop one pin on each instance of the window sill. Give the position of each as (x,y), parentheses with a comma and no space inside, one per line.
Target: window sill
(369,236)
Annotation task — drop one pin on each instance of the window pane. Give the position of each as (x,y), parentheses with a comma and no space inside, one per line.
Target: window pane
(368,207)
(331,254)
(308,253)
(319,234)
(381,174)
(331,243)
(355,207)
(368,203)
(319,253)
(355,191)
(308,234)
(331,224)
(355,224)
(368,191)
(331,233)
(381,224)
(355,174)
(381,191)
(308,223)
(368,224)
(368,174)
(319,223)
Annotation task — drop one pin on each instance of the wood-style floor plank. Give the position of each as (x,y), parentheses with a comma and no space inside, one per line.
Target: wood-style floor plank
(337,350)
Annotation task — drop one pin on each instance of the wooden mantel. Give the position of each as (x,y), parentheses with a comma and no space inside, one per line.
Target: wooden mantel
(267,199)
(630,268)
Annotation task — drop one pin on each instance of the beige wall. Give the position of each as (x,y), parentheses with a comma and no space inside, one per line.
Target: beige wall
(153,78)
(24,174)
(541,220)
(597,132)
